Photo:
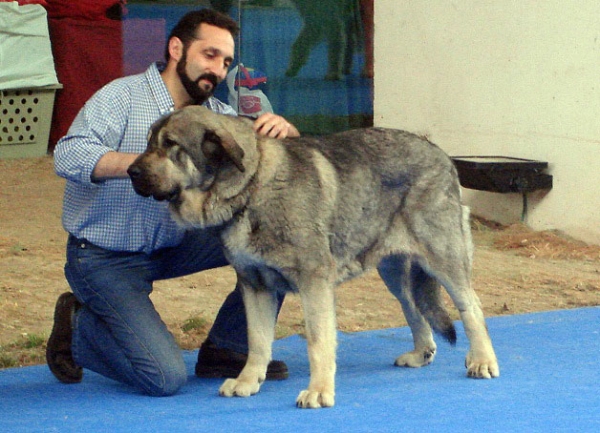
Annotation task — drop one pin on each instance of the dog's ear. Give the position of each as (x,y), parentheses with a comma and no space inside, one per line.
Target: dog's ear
(217,146)
(154,131)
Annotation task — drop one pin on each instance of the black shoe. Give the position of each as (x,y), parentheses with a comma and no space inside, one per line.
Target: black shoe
(58,350)
(214,362)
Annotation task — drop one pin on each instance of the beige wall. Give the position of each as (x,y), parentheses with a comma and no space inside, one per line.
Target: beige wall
(501,77)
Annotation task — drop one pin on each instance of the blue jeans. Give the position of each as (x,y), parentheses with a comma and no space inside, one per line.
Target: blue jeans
(119,334)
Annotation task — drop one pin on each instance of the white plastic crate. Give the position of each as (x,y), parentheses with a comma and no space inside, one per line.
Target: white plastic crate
(25,118)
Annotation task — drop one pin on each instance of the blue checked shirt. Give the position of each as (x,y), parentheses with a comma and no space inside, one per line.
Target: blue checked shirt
(109,213)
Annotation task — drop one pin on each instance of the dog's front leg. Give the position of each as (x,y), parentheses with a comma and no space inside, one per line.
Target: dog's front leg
(318,303)
(261,312)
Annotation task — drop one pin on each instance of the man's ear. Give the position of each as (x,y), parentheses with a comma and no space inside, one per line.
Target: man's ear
(175,48)
(222,146)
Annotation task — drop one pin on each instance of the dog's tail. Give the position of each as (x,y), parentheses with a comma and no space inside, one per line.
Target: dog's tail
(428,299)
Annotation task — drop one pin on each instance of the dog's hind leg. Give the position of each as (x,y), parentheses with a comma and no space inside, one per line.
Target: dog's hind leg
(449,257)
(481,360)
(397,274)
(261,313)
(318,303)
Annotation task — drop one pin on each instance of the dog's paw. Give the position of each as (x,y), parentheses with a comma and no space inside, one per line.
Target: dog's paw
(416,358)
(314,399)
(482,367)
(235,387)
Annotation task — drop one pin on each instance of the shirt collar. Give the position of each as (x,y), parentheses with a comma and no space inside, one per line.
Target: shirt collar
(159,89)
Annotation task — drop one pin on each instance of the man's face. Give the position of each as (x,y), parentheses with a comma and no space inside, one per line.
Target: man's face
(205,61)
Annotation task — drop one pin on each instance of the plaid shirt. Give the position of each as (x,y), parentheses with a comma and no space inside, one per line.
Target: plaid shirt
(109,213)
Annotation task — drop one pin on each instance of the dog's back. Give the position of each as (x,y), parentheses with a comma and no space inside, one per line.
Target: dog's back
(383,180)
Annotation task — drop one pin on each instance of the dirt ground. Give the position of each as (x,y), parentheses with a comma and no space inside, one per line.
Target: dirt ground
(515,271)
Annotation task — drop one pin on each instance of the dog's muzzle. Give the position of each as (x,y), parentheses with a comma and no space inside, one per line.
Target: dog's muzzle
(143,187)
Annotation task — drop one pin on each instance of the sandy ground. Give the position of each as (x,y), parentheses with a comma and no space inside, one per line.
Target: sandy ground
(515,271)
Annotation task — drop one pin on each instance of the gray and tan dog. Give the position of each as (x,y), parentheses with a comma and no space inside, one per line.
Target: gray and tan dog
(306,214)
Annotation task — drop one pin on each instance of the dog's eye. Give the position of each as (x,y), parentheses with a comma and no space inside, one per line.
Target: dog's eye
(168,143)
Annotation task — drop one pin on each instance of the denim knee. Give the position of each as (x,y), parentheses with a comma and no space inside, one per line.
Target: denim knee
(168,383)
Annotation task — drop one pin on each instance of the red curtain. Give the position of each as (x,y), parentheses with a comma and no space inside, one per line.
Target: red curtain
(87,47)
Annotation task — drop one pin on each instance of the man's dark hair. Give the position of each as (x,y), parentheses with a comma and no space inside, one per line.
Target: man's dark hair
(186,28)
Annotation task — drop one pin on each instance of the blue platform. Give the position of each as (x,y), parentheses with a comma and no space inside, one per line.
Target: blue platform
(549,383)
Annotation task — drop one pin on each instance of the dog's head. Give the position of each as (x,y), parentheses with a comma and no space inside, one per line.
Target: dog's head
(194,148)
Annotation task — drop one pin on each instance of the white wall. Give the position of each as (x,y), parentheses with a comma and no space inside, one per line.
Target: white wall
(501,77)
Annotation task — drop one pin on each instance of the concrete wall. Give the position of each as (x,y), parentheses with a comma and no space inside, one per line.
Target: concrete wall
(493,77)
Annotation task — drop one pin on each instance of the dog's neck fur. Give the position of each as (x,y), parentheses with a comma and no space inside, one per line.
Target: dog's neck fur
(200,209)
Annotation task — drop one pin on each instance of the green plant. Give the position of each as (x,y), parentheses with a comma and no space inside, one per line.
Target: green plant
(17,248)
(30,350)
(7,361)
(194,324)
(33,340)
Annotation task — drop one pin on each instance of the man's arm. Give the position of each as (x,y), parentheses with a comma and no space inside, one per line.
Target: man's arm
(90,150)
(113,165)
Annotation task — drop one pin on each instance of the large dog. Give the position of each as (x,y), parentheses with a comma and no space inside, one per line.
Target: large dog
(306,214)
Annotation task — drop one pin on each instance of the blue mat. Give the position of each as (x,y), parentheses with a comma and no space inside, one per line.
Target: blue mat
(549,382)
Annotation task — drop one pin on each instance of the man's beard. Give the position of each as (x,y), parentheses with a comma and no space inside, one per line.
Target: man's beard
(196,92)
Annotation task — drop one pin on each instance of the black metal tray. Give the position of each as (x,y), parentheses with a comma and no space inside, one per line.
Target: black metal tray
(502,173)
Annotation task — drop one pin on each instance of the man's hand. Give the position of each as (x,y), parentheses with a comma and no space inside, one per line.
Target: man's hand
(274,126)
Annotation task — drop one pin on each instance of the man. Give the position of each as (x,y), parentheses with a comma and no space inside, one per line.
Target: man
(119,242)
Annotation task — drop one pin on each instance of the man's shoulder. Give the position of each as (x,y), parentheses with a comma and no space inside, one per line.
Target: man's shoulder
(121,84)
(149,75)
(121,87)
